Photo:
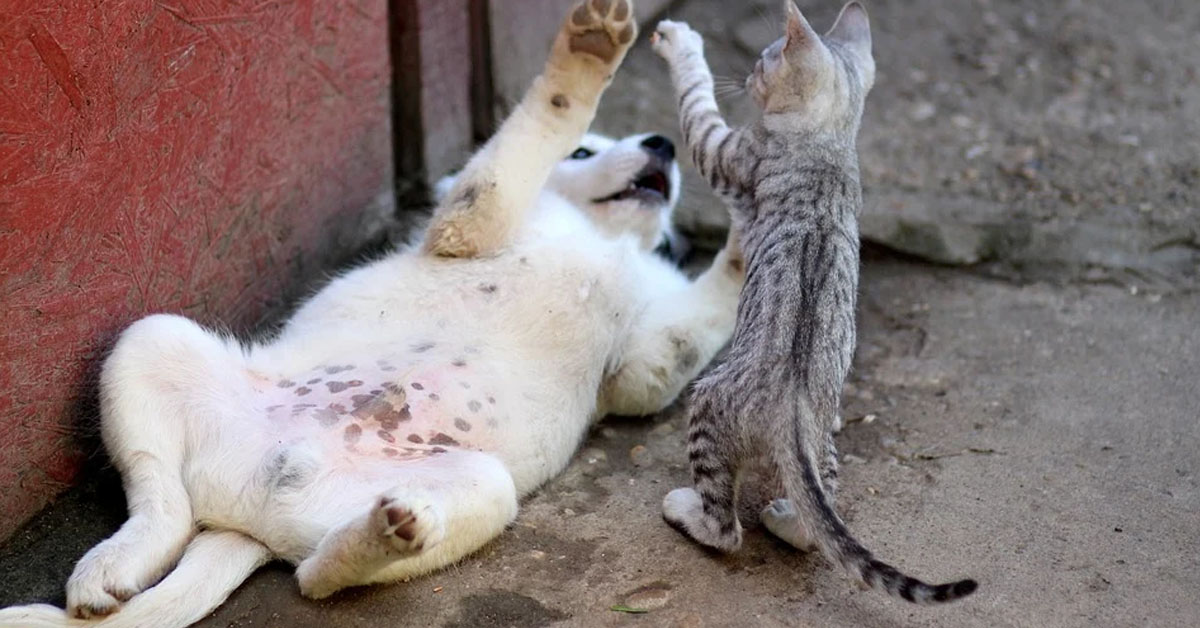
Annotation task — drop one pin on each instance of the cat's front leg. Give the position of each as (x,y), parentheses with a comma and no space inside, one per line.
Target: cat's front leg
(491,197)
(717,151)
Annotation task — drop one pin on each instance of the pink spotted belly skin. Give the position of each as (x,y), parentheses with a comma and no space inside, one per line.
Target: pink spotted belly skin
(384,409)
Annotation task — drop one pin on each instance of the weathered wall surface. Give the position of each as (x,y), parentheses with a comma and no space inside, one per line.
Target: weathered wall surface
(195,156)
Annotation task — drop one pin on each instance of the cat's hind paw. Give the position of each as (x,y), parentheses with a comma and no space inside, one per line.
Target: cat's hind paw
(683,509)
(782,519)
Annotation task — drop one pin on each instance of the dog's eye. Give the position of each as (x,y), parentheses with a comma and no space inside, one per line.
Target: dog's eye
(582,153)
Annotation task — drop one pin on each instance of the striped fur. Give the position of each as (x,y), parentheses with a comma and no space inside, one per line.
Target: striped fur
(791,181)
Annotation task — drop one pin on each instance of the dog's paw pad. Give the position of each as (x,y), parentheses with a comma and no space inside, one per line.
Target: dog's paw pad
(409,526)
(601,28)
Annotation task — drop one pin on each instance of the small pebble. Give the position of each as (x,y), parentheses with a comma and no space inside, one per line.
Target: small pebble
(640,456)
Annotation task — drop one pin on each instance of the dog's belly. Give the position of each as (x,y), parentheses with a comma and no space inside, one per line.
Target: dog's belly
(387,409)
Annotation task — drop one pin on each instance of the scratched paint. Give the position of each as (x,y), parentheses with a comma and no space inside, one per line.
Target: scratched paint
(191,156)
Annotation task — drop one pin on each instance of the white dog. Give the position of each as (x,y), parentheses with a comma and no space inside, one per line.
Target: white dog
(390,427)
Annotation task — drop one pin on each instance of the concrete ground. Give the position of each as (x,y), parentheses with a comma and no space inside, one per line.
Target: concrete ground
(1031,420)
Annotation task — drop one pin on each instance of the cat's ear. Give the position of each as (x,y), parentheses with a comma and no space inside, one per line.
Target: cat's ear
(799,34)
(853,29)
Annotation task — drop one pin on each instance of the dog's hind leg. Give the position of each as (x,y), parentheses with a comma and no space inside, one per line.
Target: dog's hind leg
(441,509)
(160,376)
(489,200)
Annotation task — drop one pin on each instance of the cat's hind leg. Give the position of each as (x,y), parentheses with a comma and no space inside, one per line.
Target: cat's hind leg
(491,197)
(155,382)
(441,509)
(708,512)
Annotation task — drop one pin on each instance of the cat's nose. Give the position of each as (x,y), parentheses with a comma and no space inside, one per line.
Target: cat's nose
(660,146)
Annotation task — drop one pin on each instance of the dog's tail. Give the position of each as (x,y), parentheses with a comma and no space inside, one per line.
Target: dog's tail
(213,565)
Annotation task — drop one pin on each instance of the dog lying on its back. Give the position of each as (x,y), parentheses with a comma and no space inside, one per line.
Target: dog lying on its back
(390,427)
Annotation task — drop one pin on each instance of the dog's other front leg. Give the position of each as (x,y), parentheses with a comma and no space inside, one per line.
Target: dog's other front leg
(490,199)
(675,337)
(441,509)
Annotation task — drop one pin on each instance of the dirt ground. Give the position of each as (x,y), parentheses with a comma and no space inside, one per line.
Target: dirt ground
(1024,411)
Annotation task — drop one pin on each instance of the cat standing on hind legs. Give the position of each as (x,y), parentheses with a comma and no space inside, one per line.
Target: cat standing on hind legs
(791,181)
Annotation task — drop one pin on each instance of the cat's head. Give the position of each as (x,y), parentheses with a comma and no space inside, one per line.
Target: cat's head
(823,78)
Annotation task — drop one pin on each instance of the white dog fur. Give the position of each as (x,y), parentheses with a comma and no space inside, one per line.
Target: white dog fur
(392,424)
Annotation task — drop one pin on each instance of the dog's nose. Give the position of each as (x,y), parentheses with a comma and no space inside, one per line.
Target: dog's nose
(659,145)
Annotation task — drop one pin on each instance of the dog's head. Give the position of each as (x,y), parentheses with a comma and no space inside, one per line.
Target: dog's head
(625,186)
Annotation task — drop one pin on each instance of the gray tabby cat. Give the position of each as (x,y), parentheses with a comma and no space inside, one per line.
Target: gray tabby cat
(791,182)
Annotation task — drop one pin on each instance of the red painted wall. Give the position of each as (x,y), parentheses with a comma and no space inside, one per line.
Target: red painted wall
(192,156)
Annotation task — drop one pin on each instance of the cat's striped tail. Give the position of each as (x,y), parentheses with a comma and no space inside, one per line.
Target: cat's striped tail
(798,471)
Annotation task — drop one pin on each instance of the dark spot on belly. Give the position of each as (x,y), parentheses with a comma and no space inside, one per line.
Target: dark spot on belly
(315,380)
(422,347)
(334,370)
(413,438)
(474,405)
(491,400)
(354,383)
(375,392)
(282,473)
(361,400)
(273,408)
(286,383)
(387,368)
(352,434)
(390,453)
(462,425)
(492,422)
(303,390)
(437,450)
(443,439)
(417,386)
(434,397)
(374,407)
(465,385)
(338,408)
(459,362)
(336,387)
(488,288)
(326,417)
(392,419)
(386,436)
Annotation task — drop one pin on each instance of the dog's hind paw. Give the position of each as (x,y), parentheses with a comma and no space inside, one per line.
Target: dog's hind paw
(409,524)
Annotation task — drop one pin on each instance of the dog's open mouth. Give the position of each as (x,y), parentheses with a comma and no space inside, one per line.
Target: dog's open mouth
(650,186)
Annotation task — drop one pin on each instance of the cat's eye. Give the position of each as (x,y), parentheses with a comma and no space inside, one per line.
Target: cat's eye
(582,153)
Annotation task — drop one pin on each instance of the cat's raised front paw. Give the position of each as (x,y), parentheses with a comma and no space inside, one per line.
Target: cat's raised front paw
(673,40)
